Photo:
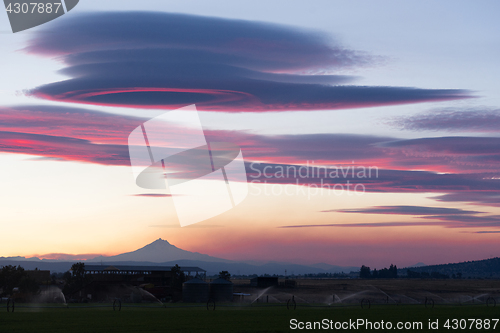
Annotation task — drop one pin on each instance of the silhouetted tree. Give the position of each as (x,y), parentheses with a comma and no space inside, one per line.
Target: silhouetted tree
(392,272)
(78,272)
(364,272)
(225,275)
(412,274)
(437,275)
(12,277)
(75,278)
(178,278)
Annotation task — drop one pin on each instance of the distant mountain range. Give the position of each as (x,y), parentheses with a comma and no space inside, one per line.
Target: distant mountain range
(162,253)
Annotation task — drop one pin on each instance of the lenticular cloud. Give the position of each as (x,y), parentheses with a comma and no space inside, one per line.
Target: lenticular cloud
(167,61)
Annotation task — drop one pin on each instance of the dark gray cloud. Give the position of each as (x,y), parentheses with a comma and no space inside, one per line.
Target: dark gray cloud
(383,181)
(406,210)
(164,60)
(473,197)
(306,147)
(66,148)
(453,145)
(474,160)
(68,122)
(367,225)
(447,217)
(253,45)
(447,154)
(462,219)
(84,135)
(467,221)
(481,119)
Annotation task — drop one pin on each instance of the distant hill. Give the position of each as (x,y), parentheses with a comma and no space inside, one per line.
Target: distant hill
(335,269)
(44,265)
(418,264)
(487,268)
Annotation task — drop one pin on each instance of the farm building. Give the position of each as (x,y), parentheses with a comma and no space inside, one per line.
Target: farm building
(131,282)
(264,281)
(195,291)
(221,290)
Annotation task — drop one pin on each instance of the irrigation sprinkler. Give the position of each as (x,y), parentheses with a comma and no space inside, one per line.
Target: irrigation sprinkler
(211,304)
(365,303)
(291,304)
(117,303)
(429,302)
(10,304)
(491,302)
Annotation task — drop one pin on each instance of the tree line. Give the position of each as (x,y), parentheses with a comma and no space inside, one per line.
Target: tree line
(385,273)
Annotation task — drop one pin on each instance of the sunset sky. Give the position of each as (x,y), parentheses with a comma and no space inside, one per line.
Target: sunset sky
(408,90)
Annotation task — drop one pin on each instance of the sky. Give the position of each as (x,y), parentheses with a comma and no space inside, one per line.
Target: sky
(385,114)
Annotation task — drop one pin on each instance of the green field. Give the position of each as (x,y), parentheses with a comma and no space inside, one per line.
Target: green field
(260,318)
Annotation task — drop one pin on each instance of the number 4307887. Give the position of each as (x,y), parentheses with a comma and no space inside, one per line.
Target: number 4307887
(33,7)
(470,324)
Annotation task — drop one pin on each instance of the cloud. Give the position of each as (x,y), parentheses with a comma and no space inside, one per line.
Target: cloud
(68,149)
(94,126)
(76,134)
(441,154)
(456,145)
(44,158)
(447,154)
(469,220)
(447,221)
(367,225)
(195,226)
(441,216)
(65,256)
(164,60)
(474,197)
(406,210)
(255,45)
(481,120)
(380,181)
(320,148)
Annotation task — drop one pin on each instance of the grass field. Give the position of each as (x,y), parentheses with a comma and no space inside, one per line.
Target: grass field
(261,318)
(404,302)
